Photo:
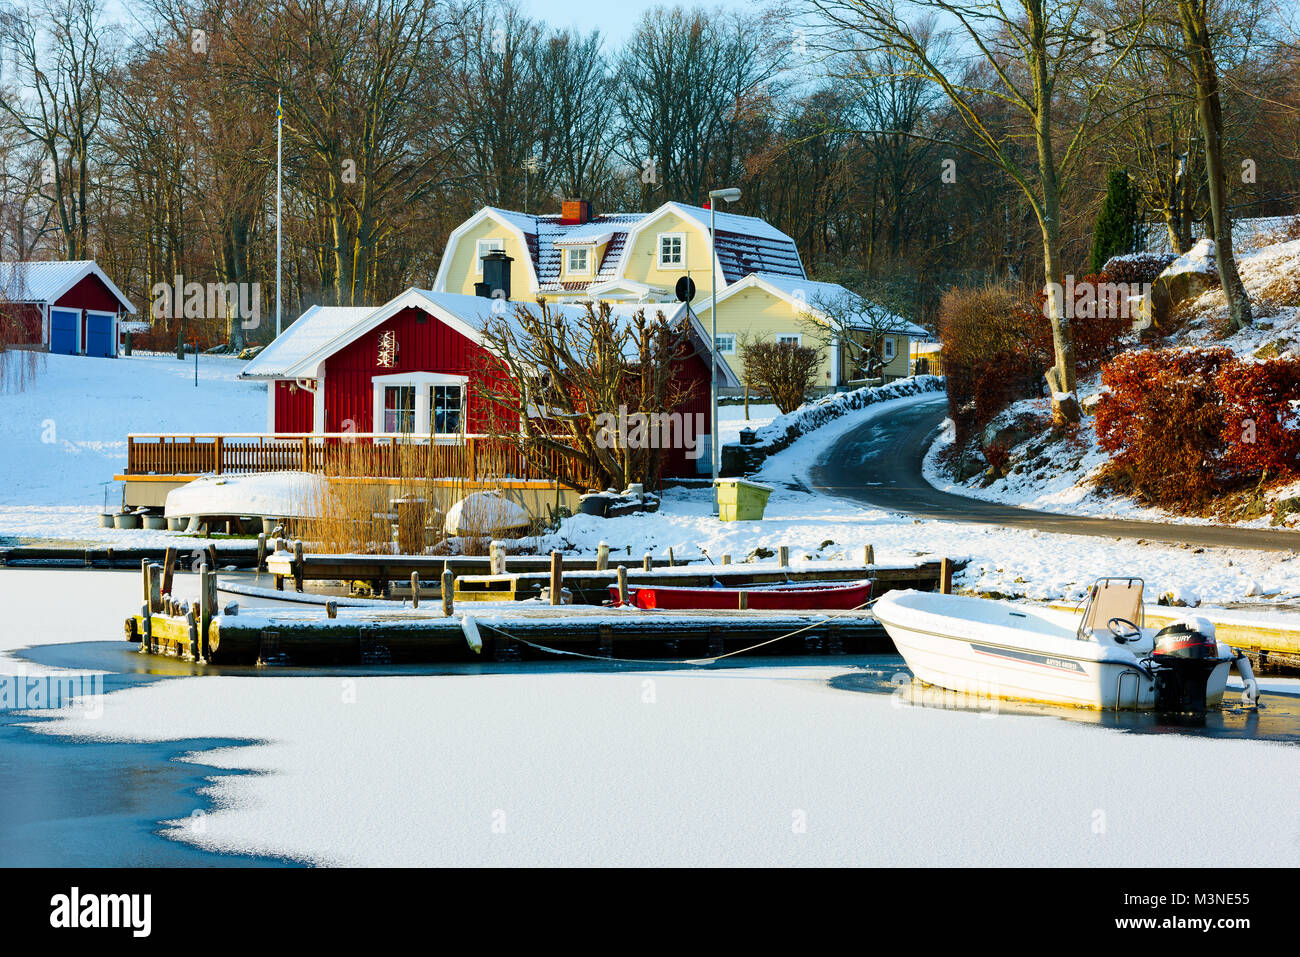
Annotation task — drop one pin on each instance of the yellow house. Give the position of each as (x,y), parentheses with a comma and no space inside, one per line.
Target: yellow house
(632,258)
(817,314)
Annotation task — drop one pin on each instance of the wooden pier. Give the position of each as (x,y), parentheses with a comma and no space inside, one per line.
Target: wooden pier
(506,633)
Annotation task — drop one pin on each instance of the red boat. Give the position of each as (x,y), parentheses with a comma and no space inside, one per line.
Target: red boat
(804,596)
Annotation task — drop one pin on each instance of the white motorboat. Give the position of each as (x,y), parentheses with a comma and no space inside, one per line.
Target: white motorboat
(1105,659)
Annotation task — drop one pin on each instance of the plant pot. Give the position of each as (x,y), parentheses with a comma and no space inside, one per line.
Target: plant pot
(106,519)
(176,524)
(156,522)
(126,520)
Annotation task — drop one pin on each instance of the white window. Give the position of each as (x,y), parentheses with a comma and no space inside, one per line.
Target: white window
(672,250)
(444,406)
(888,349)
(399,409)
(725,342)
(484,247)
(579,259)
(789,338)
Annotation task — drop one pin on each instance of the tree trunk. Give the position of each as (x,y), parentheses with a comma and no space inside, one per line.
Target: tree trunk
(1209,113)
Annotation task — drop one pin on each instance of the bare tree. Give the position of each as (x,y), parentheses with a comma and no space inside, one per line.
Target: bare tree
(786,371)
(858,326)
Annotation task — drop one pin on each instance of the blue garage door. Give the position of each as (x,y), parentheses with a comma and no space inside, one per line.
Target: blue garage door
(63,331)
(99,334)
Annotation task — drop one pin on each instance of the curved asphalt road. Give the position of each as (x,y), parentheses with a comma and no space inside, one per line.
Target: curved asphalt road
(879,463)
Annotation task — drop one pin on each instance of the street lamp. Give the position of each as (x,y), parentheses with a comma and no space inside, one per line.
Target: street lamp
(730,195)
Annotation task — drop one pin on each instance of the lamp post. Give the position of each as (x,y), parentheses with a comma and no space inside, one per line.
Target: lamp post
(730,194)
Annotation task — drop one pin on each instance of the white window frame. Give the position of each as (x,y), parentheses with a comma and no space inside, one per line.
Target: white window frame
(484,246)
(659,247)
(729,350)
(422,382)
(587,252)
(887,349)
(460,387)
(795,337)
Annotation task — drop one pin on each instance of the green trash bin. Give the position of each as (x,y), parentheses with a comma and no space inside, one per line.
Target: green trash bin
(740,500)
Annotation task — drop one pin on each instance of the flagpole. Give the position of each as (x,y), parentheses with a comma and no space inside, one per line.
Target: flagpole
(279,143)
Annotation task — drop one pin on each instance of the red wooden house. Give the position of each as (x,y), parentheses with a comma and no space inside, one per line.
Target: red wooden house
(417,365)
(71,308)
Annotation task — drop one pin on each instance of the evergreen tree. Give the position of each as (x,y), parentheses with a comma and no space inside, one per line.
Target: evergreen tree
(1116,229)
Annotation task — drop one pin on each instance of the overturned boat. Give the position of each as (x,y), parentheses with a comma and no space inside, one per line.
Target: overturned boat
(785,596)
(1106,659)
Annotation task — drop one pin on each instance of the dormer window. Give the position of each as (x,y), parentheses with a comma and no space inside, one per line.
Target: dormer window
(578,260)
(672,250)
(484,247)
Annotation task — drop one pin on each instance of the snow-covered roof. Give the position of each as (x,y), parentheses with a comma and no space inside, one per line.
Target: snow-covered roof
(49,281)
(818,298)
(313,329)
(329,329)
(745,244)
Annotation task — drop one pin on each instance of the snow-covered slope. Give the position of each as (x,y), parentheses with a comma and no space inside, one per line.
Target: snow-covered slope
(64,434)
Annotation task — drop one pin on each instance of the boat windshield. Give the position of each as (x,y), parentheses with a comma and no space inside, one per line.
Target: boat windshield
(1111,598)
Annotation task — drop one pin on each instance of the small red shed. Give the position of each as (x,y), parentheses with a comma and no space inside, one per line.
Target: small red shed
(70,307)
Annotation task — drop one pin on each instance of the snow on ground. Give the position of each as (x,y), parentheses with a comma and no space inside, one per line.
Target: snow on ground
(1019,562)
(64,435)
(548,765)
(731,419)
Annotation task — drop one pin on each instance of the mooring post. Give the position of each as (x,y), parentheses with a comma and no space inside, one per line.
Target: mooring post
(497,550)
(298,570)
(331,609)
(945,576)
(647,563)
(602,556)
(169,569)
(155,587)
(783,555)
(415,589)
(207,606)
(146,620)
(868,555)
(726,558)
(622,584)
(557,577)
(671,563)
(144,579)
(744,600)
(261,550)
(212,556)
(195,652)
(448,589)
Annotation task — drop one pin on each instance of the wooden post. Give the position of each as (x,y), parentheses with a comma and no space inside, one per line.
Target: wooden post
(744,600)
(212,556)
(783,555)
(557,577)
(155,587)
(868,555)
(448,589)
(261,551)
(622,584)
(146,619)
(602,556)
(298,569)
(218,445)
(415,589)
(207,606)
(671,563)
(144,579)
(306,451)
(497,551)
(945,576)
(647,563)
(169,569)
(726,558)
(331,609)
(195,651)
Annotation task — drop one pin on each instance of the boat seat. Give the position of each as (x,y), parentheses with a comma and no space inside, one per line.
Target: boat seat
(1111,598)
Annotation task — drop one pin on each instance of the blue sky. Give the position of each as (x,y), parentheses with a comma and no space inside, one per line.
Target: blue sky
(616,20)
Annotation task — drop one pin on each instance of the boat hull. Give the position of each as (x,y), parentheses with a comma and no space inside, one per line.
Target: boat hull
(1048,671)
(830,598)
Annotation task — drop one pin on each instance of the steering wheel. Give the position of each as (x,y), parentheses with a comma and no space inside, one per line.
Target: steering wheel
(1117,628)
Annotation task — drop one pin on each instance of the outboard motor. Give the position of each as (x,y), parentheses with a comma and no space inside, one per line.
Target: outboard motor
(1185,654)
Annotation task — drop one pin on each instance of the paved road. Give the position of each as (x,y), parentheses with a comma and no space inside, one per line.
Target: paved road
(879,463)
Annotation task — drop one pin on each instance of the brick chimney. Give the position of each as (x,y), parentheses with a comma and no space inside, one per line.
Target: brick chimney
(575,212)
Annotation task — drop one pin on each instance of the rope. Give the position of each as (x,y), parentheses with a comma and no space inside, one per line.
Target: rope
(677,661)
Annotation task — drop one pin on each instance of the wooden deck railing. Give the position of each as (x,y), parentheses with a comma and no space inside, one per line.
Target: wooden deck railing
(375,455)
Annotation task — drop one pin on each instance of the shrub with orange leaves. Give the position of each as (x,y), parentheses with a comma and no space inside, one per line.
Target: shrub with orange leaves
(1261,417)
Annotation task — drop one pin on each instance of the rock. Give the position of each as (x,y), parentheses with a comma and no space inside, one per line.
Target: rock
(1186,278)
(760,553)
